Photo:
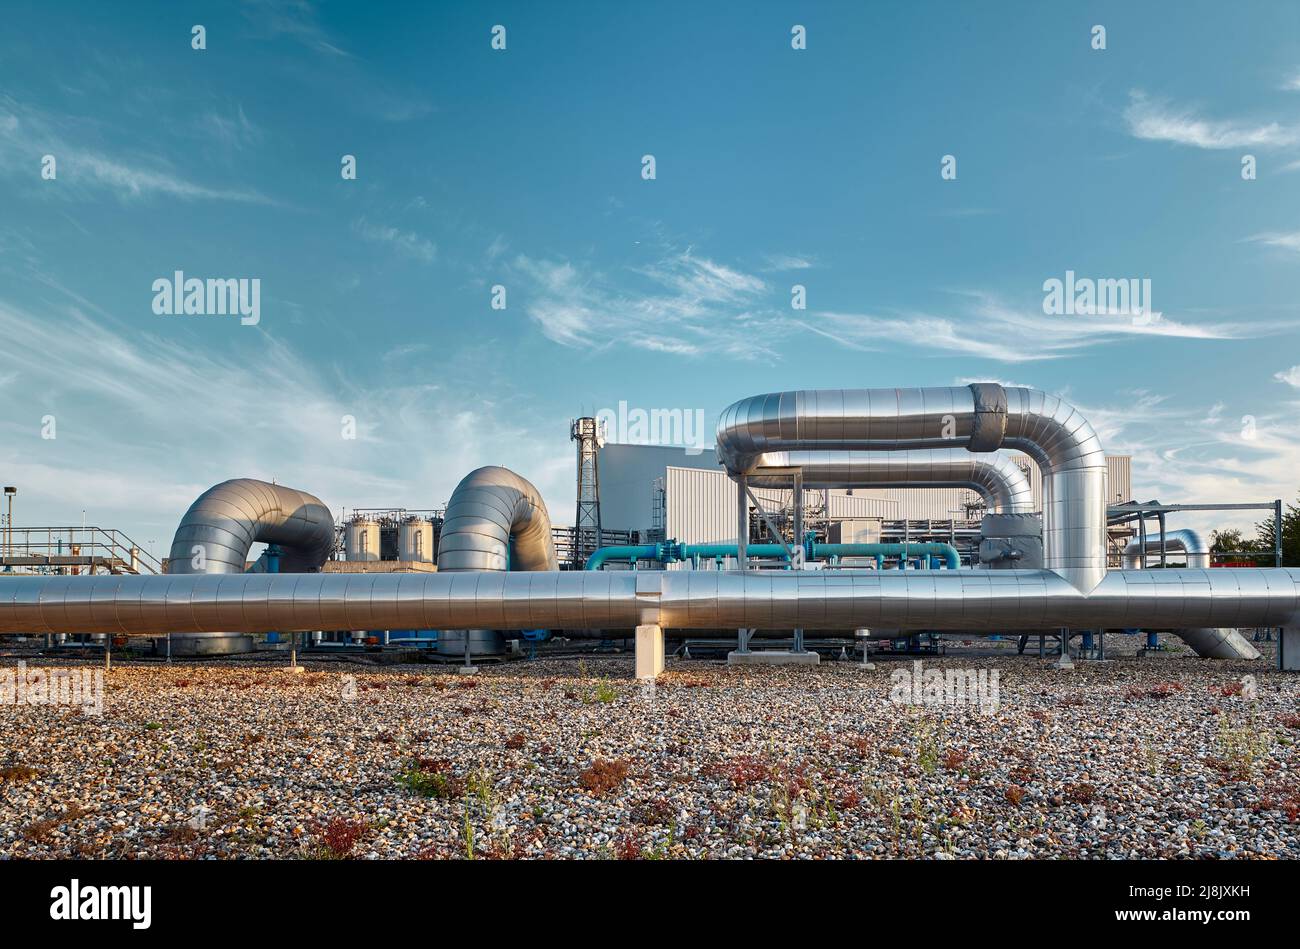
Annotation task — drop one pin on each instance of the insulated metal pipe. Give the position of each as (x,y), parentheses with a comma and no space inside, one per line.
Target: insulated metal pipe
(496,520)
(224,522)
(981,417)
(1205,641)
(1190,542)
(976,600)
(995,477)
(220,528)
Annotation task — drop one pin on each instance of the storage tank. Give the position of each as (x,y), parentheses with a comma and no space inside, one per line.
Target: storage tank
(415,540)
(361,539)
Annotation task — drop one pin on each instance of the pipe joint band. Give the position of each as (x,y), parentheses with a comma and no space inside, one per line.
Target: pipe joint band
(990,424)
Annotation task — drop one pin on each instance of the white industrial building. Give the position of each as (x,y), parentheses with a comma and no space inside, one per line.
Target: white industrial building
(685,495)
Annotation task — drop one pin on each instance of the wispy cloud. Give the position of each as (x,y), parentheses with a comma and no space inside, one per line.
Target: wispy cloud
(779,262)
(149,408)
(988,328)
(1184,451)
(1287,241)
(1160,121)
(231,132)
(296,19)
(687,304)
(1290,376)
(26,134)
(406,243)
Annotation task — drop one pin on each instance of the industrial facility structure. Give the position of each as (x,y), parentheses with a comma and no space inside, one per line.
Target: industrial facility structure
(658,492)
(797,527)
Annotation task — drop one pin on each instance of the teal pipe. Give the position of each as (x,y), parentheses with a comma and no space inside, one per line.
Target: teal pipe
(631,553)
(671,552)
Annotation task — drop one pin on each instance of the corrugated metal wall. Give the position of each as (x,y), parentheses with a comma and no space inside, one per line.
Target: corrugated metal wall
(701,505)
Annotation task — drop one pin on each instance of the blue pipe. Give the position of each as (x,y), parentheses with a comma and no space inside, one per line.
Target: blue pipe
(671,551)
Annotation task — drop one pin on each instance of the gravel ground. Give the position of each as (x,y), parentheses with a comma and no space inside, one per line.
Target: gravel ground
(1166,756)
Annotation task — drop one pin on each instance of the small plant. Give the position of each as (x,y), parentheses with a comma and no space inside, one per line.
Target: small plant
(1198,828)
(430,778)
(928,745)
(1290,721)
(657,811)
(17,773)
(1151,758)
(1239,749)
(605,692)
(152,726)
(337,839)
(1082,793)
(742,771)
(954,759)
(1227,691)
(1161,690)
(516,741)
(1014,794)
(467,831)
(627,848)
(603,775)
(38,830)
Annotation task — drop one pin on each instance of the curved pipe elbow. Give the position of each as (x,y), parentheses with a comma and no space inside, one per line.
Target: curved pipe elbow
(1185,541)
(225,521)
(496,520)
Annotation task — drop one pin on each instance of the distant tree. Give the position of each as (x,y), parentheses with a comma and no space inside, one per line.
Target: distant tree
(1222,542)
(1290,535)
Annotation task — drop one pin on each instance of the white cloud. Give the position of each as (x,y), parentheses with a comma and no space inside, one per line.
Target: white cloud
(163,419)
(689,305)
(990,329)
(1159,121)
(296,19)
(232,133)
(781,262)
(1287,241)
(1290,376)
(26,135)
(406,243)
(1185,452)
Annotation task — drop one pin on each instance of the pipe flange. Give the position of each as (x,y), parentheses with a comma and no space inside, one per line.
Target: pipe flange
(990,422)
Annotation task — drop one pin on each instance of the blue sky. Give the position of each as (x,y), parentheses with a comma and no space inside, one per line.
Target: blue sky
(522,167)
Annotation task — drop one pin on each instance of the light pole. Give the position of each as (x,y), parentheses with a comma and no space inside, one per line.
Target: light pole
(10,491)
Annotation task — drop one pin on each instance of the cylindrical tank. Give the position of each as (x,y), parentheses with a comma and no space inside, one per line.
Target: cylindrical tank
(361,539)
(415,540)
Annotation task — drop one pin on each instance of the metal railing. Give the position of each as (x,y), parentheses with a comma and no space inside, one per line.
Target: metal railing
(68,549)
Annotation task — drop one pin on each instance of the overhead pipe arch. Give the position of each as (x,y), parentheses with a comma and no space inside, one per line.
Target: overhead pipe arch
(981,417)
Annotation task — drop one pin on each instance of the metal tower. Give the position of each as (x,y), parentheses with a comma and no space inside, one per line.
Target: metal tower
(586,530)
